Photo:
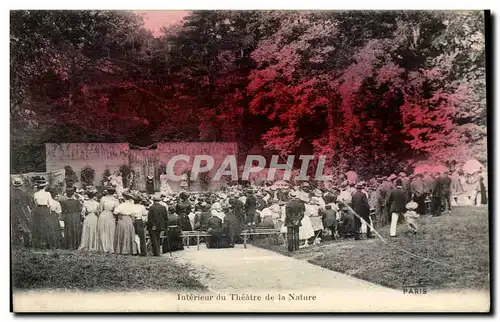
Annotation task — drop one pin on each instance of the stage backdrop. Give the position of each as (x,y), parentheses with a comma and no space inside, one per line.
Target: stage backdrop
(142,161)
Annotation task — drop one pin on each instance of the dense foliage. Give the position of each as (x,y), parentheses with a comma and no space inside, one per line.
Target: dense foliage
(87,175)
(361,86)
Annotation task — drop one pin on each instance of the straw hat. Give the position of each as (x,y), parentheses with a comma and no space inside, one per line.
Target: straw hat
(412,205)
(17,182)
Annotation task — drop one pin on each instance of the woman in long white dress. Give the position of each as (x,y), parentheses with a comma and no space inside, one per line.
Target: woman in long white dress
(89,232)
(106,224)
(306,231)
(312,210)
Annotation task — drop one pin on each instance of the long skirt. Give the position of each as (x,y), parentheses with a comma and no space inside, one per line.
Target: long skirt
(186,223)
(124,236)
(72,230)
(89,233)
(173,240)
(54,231)
(317,223)
(306,231)
(106,226)
(40,230)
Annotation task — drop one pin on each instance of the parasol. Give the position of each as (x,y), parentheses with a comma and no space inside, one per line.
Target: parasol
(472,166)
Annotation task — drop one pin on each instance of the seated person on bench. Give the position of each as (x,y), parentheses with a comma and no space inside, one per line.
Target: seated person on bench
(173,240)
(269,216)
(218,238)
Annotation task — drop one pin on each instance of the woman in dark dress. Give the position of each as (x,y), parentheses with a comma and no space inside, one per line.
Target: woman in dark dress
(173,240)
(183,209)
(216,231)
(239,212)
(150,184)
(72,217)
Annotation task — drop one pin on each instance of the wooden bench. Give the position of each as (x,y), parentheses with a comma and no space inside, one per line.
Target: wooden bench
(258,231)
(185,235)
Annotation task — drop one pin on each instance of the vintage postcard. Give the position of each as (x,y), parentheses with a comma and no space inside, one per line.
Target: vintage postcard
(249,161)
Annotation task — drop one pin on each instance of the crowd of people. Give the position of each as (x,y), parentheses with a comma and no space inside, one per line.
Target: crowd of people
(120,222)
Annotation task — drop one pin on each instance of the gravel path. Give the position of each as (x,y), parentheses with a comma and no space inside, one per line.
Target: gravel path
(254,269)
(254,280)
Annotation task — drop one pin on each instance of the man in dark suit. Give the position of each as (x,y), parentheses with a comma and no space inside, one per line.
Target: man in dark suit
(156,223)
(295,209)
(444,183)
(230,226)
(250,208)
(362,208)
(436,202)
(397,205)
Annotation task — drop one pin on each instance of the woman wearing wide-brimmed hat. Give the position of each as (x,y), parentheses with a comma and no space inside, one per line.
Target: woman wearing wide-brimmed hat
(41,213)
(106,223)
(182,209)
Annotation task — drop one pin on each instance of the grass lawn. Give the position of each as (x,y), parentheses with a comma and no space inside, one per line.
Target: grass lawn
(459,239)
(64,269)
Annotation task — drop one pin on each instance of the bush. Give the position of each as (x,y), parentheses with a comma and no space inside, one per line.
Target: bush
(87,175)
(70,176)
(105,176)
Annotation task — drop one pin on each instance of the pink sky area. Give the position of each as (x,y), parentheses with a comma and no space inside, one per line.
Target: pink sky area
(154,20)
